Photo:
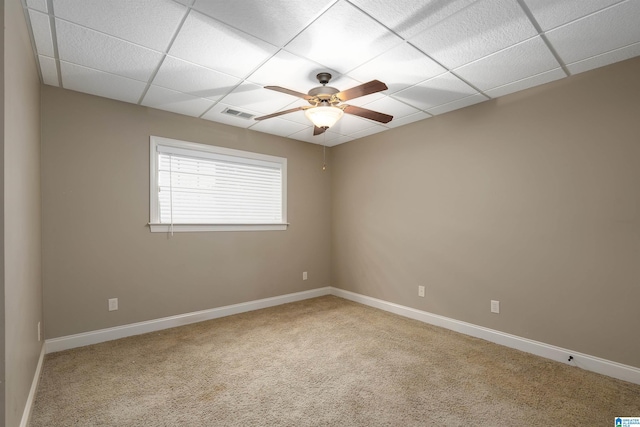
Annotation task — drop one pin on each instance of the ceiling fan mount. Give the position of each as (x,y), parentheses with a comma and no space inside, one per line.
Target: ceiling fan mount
(328,101)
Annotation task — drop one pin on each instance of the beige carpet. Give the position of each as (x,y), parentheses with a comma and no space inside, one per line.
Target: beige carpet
(319,362)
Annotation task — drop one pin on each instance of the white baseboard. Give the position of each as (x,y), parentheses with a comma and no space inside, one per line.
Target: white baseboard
(28,407)
(102,335)
(559,354)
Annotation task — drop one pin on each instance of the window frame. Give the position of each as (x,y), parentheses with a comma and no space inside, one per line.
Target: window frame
(154,212)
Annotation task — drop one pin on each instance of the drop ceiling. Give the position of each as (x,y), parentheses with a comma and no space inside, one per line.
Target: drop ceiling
(201,57)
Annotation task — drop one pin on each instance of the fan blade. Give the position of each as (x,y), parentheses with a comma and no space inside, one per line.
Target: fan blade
(318,131)
(289,92)
(364,89)
(279,113)
(367,114)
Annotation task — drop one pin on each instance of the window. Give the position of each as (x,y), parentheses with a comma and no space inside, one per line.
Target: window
(198,187)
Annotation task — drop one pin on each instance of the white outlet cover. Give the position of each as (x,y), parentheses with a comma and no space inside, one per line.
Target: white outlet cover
(495,306)
(113,304)
(304,275)
(421,291)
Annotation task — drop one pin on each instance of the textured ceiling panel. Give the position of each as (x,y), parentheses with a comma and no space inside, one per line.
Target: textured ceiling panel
(335,39)
(275,21)
(199,57)
(400,67)
(515,63)
(41,26)
(278,126)
(150,23)
(605,59)
(553,13)
(409,17)
(457,104)
(481,29)
(87,80)
(194,79)
(49,70)
(40,5)
(206,42)
(613,28)
(177,102)
(92,49)
(437,91)
(538,79)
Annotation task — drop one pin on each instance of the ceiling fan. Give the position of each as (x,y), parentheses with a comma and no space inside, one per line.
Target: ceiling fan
(326,103)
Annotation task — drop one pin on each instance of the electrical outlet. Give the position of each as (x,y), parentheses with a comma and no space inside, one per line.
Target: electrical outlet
(113,304)
(304,275)
(495,306)
(39,333)
(421,291)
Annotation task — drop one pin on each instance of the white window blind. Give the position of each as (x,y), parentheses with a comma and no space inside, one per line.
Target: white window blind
(201,187)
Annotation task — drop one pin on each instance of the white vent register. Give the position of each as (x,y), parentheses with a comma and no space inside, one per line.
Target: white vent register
(200,187)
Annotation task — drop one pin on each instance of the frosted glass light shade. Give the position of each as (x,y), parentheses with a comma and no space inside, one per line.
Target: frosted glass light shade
(324,116)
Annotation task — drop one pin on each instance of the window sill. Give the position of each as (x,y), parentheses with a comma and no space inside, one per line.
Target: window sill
(182,228)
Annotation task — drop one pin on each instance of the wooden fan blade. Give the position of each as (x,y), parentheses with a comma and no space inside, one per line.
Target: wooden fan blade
(318,131)
(368,114)
(279,113)
(364,89)
(289,92)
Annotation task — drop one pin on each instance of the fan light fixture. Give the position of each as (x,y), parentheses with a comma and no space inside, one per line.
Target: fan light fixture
(324,117)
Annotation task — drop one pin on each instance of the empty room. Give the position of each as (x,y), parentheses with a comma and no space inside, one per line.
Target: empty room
(320,213)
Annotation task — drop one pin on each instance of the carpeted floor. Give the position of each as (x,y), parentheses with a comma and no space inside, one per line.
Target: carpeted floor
(320,362)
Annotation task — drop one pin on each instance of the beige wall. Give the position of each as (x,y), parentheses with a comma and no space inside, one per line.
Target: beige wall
(96,244)
(2,317)
(532,199)
(22,228)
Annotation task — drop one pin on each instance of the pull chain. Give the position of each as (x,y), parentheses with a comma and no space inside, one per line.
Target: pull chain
(324,151)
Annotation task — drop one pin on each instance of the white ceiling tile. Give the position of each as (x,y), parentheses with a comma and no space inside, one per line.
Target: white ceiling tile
(476,31)
(605,59)
(41,26)
(49,70)
(399,68)
(439,90)
(275,21)
(94,82)
(256,98)
(408,119)
(539,79)
(336,38)
(350,124)
(388,105)
(150,23)
(339,140)
(92,49)
(613,28)
(518,62)
(194,79)
(409,17)
(553,13)
(278,126)
(185,2)
(209,43)
(364,100)
(460,103)
(216,115)
(369,131)
(40,5)
(177,102)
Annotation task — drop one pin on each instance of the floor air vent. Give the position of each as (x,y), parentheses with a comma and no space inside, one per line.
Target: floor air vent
(237,113)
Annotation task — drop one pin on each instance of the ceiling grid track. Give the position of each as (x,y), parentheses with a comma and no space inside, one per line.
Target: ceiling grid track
(543,36)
